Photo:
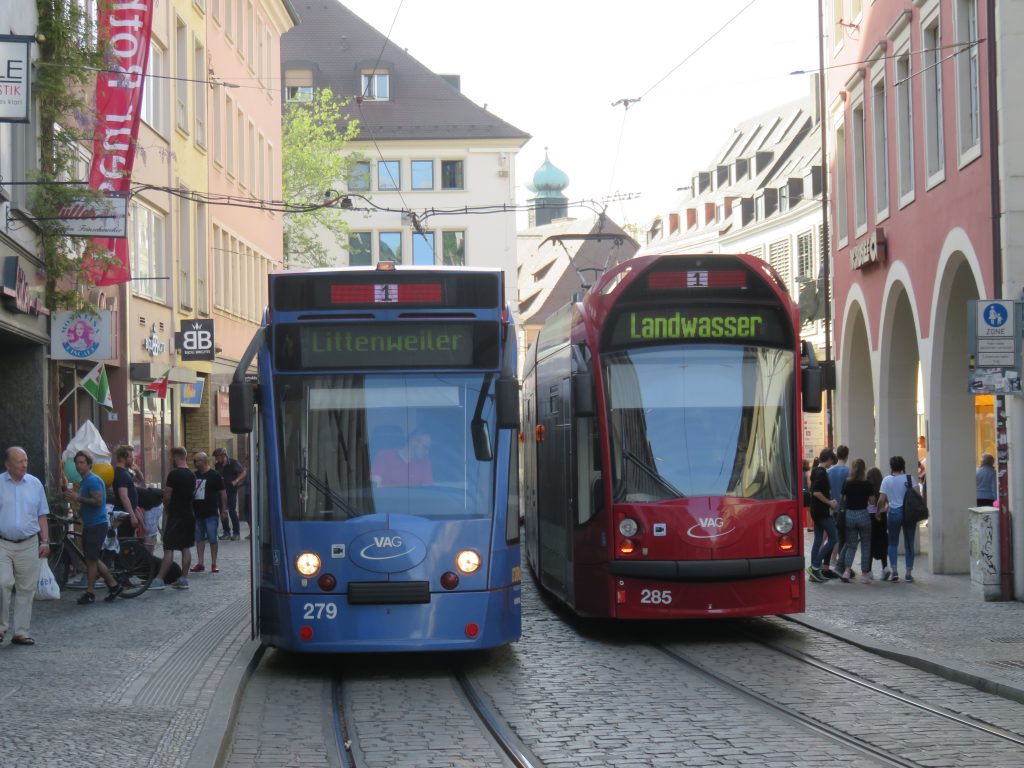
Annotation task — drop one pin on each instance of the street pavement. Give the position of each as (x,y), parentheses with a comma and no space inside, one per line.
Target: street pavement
(155,681)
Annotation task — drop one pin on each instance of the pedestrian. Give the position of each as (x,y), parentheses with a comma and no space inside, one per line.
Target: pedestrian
(985,481)
(180,526)
(126,495)
(879,524)
(857,491)
(895,488)
(922,467)
(837,475)
(822,505)
(92,508)
(24,540)
(234,476)
(152,502)
(209,500)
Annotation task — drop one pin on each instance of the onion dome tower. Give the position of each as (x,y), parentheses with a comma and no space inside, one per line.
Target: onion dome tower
(549,202)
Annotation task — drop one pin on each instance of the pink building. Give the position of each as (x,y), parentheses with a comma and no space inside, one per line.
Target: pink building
(914,239)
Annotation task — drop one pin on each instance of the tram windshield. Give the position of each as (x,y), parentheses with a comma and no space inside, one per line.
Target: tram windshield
(360,444)
(701,420)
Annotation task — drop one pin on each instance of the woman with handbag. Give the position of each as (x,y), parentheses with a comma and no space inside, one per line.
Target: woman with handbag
(892,498)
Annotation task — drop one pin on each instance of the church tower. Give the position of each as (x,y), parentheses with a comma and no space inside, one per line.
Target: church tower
(549,202)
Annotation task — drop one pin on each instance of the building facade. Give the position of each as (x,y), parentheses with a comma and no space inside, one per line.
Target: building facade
(914,168)
(428,150)
(24,320)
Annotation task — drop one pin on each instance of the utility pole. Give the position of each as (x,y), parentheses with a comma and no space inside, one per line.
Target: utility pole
(825,259)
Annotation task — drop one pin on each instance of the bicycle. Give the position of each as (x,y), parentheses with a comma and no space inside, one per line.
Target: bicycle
(132,566)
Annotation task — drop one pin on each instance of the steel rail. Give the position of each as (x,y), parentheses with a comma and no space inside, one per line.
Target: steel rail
(864,747)
(494,726)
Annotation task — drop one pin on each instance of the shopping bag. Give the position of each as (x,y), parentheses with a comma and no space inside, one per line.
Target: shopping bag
(47,588)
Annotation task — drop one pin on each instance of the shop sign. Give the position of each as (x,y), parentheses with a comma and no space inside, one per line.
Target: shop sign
(103,216)
(195,341)
(18,294)
(153,344)
(223,408)
(870,250)
(191,395)
(15,80)
(81,336)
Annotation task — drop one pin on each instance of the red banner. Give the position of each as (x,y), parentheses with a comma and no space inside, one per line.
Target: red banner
(124,26)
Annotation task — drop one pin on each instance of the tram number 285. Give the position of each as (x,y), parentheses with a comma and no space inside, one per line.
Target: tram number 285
(656,596)
(319,611)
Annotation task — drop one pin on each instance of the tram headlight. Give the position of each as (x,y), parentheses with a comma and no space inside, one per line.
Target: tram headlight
(628,527)
(307,563)
(783,524)
(467,561)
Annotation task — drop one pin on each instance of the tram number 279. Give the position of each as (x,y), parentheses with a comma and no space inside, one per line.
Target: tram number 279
(319,611)
(656,596)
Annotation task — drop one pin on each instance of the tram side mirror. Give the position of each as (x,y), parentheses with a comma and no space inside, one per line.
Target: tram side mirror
(241,399)
(583,394)
(506,390)
(481,440)
(812,378)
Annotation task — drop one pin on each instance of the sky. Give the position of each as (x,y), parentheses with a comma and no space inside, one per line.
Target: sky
(553,68)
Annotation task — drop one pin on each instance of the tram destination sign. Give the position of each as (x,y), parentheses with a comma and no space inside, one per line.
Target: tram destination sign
(760,325)
(358,346)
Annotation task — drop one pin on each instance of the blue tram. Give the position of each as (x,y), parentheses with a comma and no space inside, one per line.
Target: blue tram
(383,427)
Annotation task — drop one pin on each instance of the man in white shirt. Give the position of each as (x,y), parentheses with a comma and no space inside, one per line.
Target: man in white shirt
(24,539)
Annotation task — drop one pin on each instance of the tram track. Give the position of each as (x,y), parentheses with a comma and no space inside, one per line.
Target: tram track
(791,713)
(478,713)
(913,709)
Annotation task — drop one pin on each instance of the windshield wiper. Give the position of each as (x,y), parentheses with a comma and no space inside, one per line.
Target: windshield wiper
(329,494)
(653,473)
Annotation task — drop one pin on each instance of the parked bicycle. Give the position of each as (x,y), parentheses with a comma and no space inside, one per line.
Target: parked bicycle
(127,558)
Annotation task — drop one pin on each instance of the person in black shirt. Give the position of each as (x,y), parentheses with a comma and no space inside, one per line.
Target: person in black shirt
(210,499)
(858,491)
(822,505)
(234,475)
(180,529)
(126,496)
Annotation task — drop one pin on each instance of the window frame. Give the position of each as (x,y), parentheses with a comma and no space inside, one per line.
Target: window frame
(903,97)
(841,196)
(199,93)
(858,164)
(367,175)
(366,235)
(413,164)
(428,237)
(396,177)
(461,163)
(931,62)
(380,243)
(181,83)
(146,217)
(458,234)
(369,84)
(967,83)
(880,142)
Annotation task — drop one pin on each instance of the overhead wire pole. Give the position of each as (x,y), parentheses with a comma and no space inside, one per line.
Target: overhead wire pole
(825,258)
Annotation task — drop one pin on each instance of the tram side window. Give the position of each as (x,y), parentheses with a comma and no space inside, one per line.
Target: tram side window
(588,469)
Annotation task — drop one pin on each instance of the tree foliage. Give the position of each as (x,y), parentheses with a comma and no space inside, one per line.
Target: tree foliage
(314,162)
(69,54)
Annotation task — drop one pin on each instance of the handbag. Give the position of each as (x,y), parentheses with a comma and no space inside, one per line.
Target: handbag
(47,588)
(914,509)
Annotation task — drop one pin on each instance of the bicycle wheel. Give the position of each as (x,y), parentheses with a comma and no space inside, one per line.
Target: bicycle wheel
(133,568)
(60,563)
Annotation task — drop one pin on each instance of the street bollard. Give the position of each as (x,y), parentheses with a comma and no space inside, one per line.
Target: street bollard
(985,561)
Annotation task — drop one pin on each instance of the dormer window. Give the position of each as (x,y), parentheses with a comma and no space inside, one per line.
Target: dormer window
(376,84)
(298,85)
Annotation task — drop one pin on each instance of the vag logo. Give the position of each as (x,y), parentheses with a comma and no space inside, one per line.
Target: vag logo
(708,528)
(386,548)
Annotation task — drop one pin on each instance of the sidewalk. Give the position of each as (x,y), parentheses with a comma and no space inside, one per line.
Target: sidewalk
(150,681)
(937,624)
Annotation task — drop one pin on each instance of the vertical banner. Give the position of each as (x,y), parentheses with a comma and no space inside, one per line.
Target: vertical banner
(124,28)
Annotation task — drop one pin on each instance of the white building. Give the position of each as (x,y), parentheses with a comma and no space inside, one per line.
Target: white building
(429,150)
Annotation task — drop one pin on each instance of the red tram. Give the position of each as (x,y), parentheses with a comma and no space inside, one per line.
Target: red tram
(661,442)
